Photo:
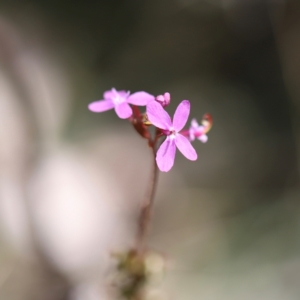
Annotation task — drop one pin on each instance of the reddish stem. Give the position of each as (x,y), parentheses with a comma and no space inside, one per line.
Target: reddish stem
(146,209)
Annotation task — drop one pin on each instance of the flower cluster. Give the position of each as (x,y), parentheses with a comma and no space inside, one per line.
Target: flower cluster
(172,130)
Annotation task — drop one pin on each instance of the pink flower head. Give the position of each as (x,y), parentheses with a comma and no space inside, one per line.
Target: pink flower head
(164,99)
(197,131)
(119,100)
(160,118)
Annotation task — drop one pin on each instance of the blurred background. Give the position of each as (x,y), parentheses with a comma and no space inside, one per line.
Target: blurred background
(71,181)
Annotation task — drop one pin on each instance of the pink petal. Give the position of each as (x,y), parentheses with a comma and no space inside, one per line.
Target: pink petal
(109,94)
(194,123)
(102,105)
(140,98)
(166,154)
(123,110)
(185,147)
(203,138)
(158,116)
(181,115)
(113,93)
(192,135)
(160,98)
(167,97)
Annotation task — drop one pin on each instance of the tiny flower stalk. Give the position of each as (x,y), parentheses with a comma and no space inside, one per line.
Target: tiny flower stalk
(146,208)
(132,265)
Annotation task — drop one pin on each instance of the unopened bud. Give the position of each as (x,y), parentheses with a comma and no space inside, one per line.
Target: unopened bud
(164,99)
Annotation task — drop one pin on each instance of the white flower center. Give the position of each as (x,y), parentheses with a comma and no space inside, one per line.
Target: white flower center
(172,134)
(117,99)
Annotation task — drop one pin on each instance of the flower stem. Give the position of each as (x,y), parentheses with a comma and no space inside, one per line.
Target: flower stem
(146,209)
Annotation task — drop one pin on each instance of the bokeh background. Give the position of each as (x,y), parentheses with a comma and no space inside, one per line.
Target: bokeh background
(71,181)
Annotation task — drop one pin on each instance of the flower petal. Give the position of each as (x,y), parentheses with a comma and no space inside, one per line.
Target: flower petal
(203,138)
(101,105)
(192,135)
(158,116)
(123,110)
(181,115)
(166,155)
(114,93)
(140,98)
(185,147)
(194,123)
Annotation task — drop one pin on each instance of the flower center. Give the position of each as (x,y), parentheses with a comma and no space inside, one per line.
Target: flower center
(172,134)
(117,99)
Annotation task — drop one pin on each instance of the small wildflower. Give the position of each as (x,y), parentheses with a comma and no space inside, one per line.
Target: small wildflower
(119,100)
(197,131)
(160,118)
(164,99)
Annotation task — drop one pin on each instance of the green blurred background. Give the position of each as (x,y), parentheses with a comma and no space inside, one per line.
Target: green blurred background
(228,224)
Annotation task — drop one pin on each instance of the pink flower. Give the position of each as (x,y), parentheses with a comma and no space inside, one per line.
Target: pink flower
(197,131)
(160,118)
(119,101)
(164,99)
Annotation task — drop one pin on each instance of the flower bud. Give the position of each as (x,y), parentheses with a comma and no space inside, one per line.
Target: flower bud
(164,99)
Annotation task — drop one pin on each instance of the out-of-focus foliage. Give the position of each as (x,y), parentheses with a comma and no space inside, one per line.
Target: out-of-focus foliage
(71,181)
